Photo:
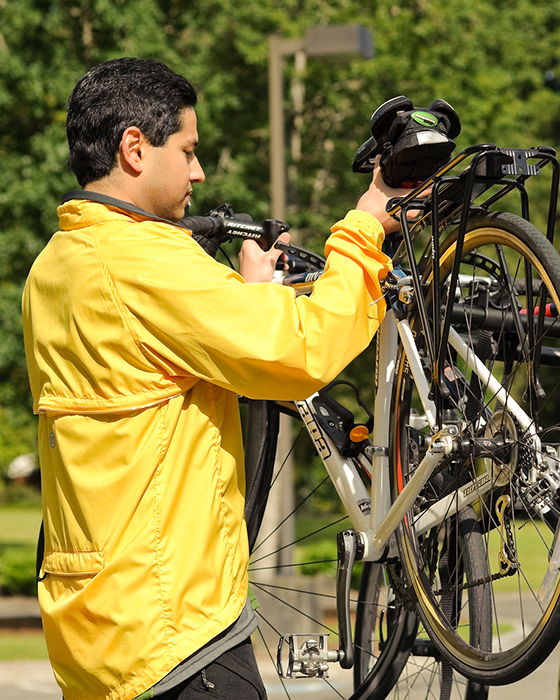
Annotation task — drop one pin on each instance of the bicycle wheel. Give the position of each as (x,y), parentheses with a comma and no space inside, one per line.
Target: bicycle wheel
(506,454)
(296,598)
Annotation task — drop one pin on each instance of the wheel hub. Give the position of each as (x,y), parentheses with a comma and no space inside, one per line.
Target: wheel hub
(502,466)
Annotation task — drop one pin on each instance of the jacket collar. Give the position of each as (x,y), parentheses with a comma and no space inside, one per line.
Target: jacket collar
(97,197)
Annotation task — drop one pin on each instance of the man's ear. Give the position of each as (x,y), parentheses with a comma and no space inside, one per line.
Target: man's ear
(133,149)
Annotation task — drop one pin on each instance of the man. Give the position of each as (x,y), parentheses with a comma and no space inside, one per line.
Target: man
(137,345)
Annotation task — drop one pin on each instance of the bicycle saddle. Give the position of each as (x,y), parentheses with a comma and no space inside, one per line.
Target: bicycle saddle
(414,142)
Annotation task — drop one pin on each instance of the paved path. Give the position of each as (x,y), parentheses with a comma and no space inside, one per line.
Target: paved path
(27,680)
(33,680)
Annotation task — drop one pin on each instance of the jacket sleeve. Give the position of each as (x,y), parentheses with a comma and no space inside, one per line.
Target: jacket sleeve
(193,316)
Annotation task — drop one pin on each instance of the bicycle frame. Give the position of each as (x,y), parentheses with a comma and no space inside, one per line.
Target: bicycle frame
(372,514)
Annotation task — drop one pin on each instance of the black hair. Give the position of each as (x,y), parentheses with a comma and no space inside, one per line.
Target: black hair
(113,96)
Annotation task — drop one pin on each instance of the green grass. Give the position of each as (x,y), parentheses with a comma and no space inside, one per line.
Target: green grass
(22,645)
(318,543)
(19,529)
(19,526)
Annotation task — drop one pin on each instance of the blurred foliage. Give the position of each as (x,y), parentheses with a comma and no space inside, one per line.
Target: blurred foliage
(21,495)
(487,57)
(320,557)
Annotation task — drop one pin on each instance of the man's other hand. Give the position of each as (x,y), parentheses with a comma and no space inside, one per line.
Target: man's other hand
(258,265)
(374,201)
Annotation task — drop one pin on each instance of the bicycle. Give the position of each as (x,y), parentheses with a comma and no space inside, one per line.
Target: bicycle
(462,462)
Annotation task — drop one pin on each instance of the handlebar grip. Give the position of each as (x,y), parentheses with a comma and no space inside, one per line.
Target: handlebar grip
(205,225)
(240,226)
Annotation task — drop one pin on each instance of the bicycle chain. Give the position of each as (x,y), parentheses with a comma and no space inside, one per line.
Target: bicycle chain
(478,582)
(506,557)
(407,597)
(507,561)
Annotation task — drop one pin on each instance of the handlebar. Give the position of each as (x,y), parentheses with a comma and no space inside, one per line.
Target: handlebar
(222,224)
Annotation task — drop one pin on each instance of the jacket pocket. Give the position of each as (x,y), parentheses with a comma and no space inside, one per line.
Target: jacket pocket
(73,563)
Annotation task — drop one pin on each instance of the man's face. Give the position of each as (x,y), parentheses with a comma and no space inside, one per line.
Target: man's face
(171,170)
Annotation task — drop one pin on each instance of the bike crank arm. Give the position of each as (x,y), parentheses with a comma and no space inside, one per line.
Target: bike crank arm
(350,548)
(308,654)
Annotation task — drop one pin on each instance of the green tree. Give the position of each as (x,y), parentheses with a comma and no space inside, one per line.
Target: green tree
(487,57)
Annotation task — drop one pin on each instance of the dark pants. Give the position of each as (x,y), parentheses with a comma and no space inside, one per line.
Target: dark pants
(233,676)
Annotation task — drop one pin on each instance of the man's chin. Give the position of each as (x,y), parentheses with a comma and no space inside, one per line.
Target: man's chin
(174,216)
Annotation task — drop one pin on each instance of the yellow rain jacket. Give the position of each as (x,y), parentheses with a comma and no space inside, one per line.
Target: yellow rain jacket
(137,345)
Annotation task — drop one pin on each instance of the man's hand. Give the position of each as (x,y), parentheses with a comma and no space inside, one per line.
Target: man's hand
(258,265)
(374,201)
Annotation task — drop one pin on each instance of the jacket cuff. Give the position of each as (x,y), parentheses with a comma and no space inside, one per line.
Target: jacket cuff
(366,223)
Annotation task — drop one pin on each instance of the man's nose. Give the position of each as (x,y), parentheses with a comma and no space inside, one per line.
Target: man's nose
(197,173)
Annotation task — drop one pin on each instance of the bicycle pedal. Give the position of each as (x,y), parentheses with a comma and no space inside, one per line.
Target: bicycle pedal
(308,656)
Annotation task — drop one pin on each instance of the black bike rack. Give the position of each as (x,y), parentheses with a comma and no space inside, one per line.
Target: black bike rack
(452,202)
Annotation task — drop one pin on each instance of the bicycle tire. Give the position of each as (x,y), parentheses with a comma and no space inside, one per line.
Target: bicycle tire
(409,665)
(284,610)
(260,451)
(497,251)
